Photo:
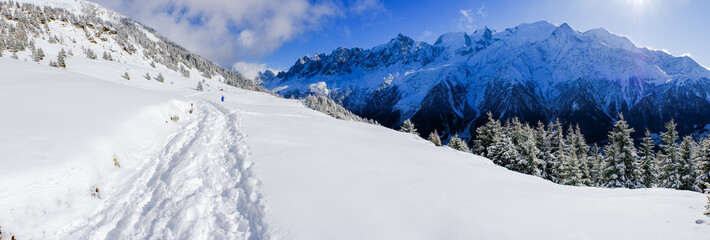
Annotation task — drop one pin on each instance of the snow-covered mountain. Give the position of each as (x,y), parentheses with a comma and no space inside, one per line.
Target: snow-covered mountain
(536,72)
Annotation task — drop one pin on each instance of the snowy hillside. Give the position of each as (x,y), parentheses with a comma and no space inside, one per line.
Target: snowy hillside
(536,72)
(261,167)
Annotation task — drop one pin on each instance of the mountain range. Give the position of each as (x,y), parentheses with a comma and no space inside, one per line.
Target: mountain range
(537,72)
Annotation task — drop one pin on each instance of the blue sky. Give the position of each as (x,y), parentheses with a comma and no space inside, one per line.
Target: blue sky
(258,34)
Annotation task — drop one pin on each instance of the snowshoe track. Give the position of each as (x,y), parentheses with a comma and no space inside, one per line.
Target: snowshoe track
(200,186)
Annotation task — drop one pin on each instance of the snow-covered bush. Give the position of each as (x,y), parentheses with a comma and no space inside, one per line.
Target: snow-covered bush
(408,127)
(435,139)
(126,76)
(160,78)
(459,144)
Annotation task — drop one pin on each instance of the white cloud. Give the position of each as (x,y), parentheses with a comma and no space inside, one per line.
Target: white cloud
(250,70)
(228,30)
(482,11)
(426,35)
(466,19)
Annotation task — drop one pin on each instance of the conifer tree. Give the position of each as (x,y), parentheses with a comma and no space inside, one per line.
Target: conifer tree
(556,142)
(703,161)
(126,76)
(621,168)
(485,135)
(595,163)
(60,59)
(577,145)
(687,173)
(199,87)
(543,144)
(503,152)
(528,161)
(160,78)
(434,138)
(671,163)
(649,166)
(408,127)
(459,144)
(570,173)
(147,76)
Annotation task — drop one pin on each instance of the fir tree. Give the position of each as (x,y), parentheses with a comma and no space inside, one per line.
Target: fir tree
(147,76)
(703,163)
(595,163)
(408,127)
(199,87)
(621,168)
(555,152)
(528,162)
(503,152)
(671,163)
(485,135)
(577,145)
(126,76)
(160,78)
(687,170)
(459,144)
(38,55)
(60,59)
(434,138)
(649,168)
(570,173)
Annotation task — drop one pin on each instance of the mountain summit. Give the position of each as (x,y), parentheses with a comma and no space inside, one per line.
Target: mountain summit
(535,71)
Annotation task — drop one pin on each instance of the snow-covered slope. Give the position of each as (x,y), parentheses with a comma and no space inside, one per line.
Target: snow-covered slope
(261,167)
(537,72)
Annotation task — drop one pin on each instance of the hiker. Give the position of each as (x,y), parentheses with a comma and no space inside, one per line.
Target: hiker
(222,98)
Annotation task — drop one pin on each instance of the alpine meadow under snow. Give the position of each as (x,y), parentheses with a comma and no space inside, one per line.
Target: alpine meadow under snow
(130,140)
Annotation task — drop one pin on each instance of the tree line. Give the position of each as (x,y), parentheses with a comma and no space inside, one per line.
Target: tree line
(563,156)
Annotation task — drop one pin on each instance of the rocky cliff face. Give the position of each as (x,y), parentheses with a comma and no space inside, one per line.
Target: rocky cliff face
(536,72)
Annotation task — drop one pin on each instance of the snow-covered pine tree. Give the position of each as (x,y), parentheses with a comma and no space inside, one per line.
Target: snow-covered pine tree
(484,136)
(503,152)
(671,164)
(459,144)
(107,56)
(703,161)
(147,76)
(528,161)
(60,59)
(555,154)
(199,87)
(542,141)
(687,173)
(577,144)
(570,173)
(39,55)
(160,78)
(434,138)
(90,53)
(595,163)
(126,76)
(408,127)
(621,168)
(649,168)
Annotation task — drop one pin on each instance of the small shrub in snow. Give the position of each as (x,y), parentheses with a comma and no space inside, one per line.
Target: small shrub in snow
(459,144)
(90,54)
(95,192)
(160,78)
(107,56)
(147,76)
(152,64)
(125,75)
(115,162)
(175,118)
(408,127)
(435,139)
